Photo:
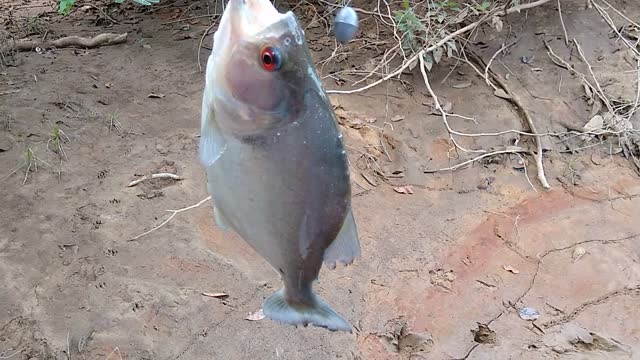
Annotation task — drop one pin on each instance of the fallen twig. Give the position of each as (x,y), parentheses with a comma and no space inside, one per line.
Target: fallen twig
(629,290)
(69,41)
(486,69)
(565,65)
(526,172)
(619,13)
(155,176)
(189,18)
(440,109)
(468,352)
(512,150)
(595,79)
(513,98)
(117,349)
(546,253)
(3,356)
(174,213)
(101,12)
(605,16)
(564,28)
(502,11)
(9,92)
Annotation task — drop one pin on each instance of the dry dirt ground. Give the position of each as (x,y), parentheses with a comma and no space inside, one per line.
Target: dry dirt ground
(444,270)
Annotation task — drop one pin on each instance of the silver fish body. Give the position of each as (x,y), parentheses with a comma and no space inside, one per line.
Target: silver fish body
(274,157)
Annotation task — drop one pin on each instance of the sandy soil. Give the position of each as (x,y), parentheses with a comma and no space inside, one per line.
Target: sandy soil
(444,270)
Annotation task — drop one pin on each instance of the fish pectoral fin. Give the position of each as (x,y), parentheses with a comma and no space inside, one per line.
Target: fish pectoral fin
(346,246)
(221,221)
(212,143)
(317,313)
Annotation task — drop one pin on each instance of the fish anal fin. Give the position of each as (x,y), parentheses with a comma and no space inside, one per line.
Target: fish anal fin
(346,246)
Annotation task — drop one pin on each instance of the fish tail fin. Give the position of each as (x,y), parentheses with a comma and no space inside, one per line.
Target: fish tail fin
(317,313)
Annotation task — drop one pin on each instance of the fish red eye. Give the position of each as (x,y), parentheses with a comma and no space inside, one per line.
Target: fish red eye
(271,59)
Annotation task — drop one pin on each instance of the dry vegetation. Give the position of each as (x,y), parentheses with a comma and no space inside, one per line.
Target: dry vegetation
(406,49)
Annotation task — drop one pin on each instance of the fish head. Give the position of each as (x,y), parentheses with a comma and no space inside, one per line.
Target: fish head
(259,68)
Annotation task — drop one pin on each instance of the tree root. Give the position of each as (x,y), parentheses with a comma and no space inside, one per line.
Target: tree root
(69,41)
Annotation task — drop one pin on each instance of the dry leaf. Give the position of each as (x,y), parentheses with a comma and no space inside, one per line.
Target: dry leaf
(356,123)
(216,295)
(497,23)
(403,189)
(437,54)
(596,123)
(463,85)
(256,316)
(502,94)
(447,106)
(156,96)
(511,269)
(578,252)
(397,118)
(587,91)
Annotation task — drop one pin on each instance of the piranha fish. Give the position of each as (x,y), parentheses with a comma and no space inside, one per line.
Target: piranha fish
(276,166)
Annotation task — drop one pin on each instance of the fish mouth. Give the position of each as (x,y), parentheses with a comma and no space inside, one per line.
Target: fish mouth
(249,20)
(250,17)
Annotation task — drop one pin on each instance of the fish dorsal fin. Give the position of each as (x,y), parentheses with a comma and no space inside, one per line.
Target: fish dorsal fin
(212,143)
(346,246)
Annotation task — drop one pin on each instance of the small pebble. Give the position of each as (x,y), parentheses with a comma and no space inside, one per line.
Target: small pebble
(161,149)
(529,314)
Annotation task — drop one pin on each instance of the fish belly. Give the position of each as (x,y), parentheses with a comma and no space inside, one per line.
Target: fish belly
(287,201)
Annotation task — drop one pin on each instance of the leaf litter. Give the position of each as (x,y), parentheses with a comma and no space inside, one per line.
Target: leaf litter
(578,253)
(218,295)
(404,190)
(256,316)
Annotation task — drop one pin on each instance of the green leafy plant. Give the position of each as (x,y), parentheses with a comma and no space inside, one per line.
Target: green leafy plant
(55,136)
(415,35)
(31,161)
(452,5)
(65,6)
(410,26)
(56,140)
